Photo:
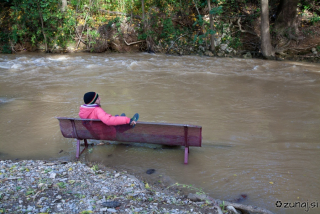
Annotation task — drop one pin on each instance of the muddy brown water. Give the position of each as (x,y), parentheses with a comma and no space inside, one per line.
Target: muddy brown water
(260,119)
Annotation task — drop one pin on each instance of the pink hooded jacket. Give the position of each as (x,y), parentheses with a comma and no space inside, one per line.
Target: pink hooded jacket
(94,111)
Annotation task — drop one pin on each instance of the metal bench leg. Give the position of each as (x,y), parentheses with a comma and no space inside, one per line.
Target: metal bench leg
(78,149)
(85,146)
(186,154)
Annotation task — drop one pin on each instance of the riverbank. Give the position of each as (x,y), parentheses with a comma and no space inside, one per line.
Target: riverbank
(34,186)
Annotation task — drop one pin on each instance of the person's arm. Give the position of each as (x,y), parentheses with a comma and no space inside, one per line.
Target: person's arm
(110,120)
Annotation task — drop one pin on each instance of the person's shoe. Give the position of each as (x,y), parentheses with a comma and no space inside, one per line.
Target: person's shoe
(123,114)
(134,118)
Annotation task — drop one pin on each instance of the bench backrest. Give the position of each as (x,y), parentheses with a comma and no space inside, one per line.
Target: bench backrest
(143,132)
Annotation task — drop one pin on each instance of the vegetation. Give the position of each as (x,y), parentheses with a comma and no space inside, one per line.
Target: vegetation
(168,26)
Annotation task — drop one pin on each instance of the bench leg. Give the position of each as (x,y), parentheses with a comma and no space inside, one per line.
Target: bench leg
(85,146)
(78,149)
(186,154)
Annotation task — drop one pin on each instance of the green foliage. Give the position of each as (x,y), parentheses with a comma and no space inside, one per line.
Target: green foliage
(198,191)
(4,39)
(61,185)
(30,192)
(95,167)
(234,42)
(314,19)
(222,205)
(168,29)
(39,21)
(167,22)
(86,212)
(216,10)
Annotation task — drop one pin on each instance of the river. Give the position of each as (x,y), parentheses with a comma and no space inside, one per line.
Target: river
(260,119)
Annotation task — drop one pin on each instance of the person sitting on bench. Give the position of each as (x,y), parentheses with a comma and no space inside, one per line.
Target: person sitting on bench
(92,110)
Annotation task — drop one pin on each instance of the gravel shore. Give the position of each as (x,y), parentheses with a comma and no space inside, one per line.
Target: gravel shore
(33,186)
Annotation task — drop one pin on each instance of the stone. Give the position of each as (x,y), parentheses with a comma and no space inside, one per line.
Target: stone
(220,54)
(208,53)
(247,55)
(229,50)
(223,47)
(53,175)
(197,197)
(111,204)
(111,210)
(150,171)
(232,210)
(193,197)
(217,41)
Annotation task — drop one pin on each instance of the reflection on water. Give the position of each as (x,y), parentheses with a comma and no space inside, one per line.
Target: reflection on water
(260,118)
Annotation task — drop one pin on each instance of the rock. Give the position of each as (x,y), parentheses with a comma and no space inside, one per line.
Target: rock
(218,209)
(247,55)
(220,54)
(314,51)
(223,47)
(232,210)
(229,50)
(193,197)
(111,204)
(150,171)
(217,41)
(208,53)
(138,209)
(117,175)
(111,210)
(53,175)
(201,48)
(197,197)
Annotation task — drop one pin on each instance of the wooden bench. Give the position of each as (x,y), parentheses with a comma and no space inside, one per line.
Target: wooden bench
(143,132)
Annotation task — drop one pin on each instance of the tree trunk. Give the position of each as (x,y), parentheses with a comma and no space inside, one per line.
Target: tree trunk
(64,5)
(212,47)
(266,48)
(143,14)
(286,17)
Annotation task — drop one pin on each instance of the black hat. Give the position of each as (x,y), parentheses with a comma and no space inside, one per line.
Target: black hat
(90,97)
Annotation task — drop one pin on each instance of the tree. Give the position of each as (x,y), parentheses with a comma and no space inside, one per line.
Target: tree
(266,47)
(64,5)
(143,15)
(212,48)
(286,17)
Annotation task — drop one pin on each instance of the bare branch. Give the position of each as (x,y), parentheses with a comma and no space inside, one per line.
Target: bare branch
(132,43)
(245,31)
